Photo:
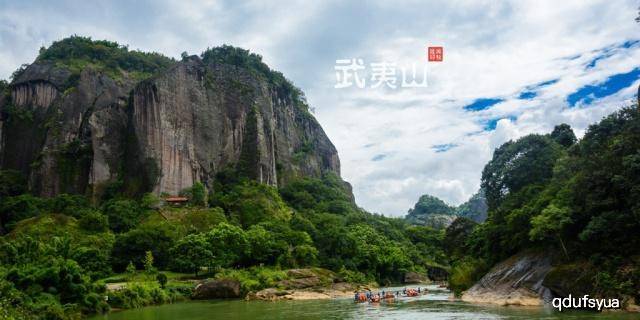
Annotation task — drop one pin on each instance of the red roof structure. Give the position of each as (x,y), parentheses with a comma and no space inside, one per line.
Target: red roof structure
(175,199)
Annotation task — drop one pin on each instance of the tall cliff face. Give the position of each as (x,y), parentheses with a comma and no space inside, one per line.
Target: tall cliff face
(196,119)
(82,130)
(65,141)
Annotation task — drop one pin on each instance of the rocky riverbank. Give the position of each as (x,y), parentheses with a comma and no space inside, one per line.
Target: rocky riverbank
(339,290)
(299,284)
(535,279)
(515,281)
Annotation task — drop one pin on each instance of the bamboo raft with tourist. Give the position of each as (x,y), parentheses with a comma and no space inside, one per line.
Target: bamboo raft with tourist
(387,296)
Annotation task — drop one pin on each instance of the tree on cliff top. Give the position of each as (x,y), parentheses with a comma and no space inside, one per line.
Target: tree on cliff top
(76,52)
(252,62)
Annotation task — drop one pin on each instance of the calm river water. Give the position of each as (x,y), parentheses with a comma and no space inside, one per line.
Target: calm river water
(434,305)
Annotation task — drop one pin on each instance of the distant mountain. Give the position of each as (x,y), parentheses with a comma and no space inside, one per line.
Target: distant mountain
(475,208)
(433,212)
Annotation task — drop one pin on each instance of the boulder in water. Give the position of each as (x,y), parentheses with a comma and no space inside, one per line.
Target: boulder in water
(217,289)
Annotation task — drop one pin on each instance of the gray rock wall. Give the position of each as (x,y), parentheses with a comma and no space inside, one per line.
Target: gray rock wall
(176,128)
(515,281)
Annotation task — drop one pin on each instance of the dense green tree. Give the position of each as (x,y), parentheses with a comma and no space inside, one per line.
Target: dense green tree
(264,247)
(550,223)
(133,245)
(304,255)
(328,194)
(515,165)
(204,219)
(250,203)
(199,194)
(428,244)
(21,251)
(14,209)
(456,237)
(606,195)
(563,135)
(122,214)
(69,204)
(94,261)
(192,253)
(95,221)
(228,244)
(331,240)
(64,278)
(518,178)
(373,253)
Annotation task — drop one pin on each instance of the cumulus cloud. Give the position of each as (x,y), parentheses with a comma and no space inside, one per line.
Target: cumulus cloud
(527,56)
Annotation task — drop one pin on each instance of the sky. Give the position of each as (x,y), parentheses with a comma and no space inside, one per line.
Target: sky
(509,68)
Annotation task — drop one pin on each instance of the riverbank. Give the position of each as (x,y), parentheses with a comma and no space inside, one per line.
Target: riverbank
(532,278)
(274,294)
(291,284)
(434,305)
(515,281)
(263,284)
(125,291)
(335,291)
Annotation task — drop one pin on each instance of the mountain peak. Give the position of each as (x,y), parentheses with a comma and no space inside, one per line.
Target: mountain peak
(433,211)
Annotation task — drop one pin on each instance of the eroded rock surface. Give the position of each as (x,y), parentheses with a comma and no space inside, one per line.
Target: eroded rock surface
(81,133)
(515,281)
(217,289)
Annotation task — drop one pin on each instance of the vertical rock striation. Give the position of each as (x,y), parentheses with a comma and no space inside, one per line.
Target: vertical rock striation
(82,132)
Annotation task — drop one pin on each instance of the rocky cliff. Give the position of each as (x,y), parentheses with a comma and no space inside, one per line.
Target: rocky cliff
(81,123)
(518,280)
(534,278)
(66,140)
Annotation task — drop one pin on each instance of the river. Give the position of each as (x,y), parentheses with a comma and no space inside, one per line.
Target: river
(434,305)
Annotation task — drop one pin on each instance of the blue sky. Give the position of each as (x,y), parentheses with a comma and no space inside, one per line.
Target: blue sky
(510,68)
